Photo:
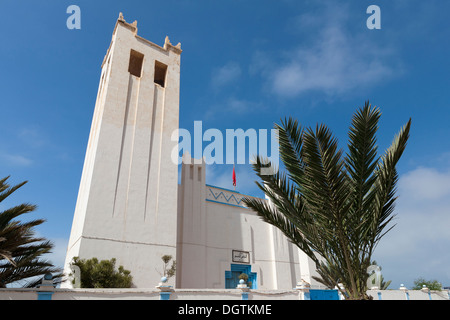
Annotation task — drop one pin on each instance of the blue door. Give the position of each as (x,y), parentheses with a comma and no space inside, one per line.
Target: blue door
(231,279)
(232,276)
(324,294)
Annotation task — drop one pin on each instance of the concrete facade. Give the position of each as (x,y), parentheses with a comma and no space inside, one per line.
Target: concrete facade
(213,225)
(127,199)
(203,294)
(130,206)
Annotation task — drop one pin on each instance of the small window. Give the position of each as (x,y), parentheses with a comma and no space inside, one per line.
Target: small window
(160,73)
(136,61)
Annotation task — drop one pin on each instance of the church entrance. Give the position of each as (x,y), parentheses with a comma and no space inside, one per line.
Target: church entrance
(232,276)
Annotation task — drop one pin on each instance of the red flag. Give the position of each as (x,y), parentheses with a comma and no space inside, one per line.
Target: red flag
(234,177)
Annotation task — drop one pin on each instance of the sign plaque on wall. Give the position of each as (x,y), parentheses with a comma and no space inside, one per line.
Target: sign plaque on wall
(241,256)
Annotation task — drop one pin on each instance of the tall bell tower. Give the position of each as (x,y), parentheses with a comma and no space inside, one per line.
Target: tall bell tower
(127,200)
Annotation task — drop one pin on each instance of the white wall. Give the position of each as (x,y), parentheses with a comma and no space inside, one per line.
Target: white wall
(413,295)
(212,222)
(127,201)
(198,294)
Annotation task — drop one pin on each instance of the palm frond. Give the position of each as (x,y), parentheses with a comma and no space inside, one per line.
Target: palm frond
(333,207)
(290,143)
(20,251)
(385,186)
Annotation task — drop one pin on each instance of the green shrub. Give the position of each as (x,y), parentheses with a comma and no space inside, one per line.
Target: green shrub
(103,274)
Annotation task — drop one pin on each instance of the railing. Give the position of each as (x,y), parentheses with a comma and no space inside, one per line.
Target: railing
(166,292)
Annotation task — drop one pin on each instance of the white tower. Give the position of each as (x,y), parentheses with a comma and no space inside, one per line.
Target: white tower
(127,200)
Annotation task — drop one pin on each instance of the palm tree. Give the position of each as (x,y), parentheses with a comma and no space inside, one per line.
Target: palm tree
(334,207)
(20,250)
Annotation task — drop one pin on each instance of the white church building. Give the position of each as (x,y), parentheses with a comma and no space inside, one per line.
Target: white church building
(130,205)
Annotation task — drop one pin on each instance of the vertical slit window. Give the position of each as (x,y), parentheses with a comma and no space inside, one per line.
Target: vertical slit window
(136,62)
(160,73)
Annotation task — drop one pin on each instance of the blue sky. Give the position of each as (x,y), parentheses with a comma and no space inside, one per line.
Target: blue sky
(245,64)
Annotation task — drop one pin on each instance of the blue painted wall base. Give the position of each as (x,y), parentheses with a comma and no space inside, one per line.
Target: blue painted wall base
(324,294)
(44,295)
(164,295)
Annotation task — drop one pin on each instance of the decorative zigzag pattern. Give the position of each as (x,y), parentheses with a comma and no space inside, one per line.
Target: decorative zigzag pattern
(225,200)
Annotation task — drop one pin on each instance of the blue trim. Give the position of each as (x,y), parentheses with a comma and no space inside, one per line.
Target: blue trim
(44,295)
(240,268)
(429,295)
(228,204)
(407,295)
(227,199)
(244,296)
(379,296)
(318,294)
(306,296)
(245,195)
(164,295)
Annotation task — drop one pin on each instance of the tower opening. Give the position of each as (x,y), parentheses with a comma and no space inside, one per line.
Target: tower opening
(160,73)
(136,61)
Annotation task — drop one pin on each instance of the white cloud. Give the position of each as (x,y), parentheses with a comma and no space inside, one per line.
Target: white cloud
(425,184)
(334,62)
(16,160)
(232,107)
(225,75)
(33,136)
(418,244)
(241,106)
(334,65)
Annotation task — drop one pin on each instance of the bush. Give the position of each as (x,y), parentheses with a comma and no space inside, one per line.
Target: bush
(103,274)
(430,284)
(168,272)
